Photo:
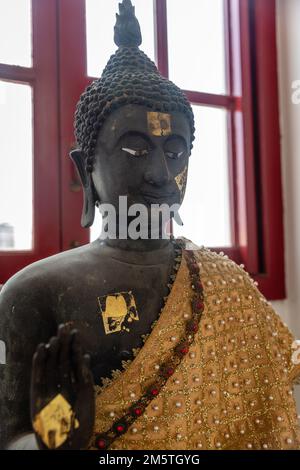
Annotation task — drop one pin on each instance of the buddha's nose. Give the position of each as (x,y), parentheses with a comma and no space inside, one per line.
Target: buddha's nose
(157,172)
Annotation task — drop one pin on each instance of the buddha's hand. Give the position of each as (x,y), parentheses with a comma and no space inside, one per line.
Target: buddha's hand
(62,393)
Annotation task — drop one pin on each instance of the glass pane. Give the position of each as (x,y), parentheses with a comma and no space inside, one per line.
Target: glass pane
(15,32)
(196,45)
(100,21)
(15,167)
(205,211)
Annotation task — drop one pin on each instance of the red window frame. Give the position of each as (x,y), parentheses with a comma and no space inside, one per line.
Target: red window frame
(42,77)
(253,127)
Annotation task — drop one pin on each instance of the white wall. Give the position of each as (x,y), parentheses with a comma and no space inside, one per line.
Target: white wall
(288,40)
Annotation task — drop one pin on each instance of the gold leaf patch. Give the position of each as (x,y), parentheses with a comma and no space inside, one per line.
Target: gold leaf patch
(54,422)
(118,311)
(159,124)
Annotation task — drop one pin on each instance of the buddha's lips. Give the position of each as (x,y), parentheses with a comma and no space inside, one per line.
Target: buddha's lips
(156,198)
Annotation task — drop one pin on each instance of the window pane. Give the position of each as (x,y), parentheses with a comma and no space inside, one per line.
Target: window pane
(205,210)
(196,45)
(15,167)
(15,32)
(100,21)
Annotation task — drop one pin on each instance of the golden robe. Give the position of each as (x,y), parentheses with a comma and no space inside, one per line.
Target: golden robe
(233,390)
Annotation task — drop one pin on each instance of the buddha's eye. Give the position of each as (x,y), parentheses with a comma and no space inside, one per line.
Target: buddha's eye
(135,153)
(174,155)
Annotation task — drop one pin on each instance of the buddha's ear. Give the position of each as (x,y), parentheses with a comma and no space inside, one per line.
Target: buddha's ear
(88,210)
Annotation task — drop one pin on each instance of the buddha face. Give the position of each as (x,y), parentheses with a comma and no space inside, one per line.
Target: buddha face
(142,155)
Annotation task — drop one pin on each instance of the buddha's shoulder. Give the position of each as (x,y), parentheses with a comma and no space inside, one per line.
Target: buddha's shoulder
(219,272)
(40,275)
(213,262)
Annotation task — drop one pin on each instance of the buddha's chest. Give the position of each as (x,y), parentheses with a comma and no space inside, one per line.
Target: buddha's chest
(113,310)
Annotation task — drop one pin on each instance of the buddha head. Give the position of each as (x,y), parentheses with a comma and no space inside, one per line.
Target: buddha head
(134,129)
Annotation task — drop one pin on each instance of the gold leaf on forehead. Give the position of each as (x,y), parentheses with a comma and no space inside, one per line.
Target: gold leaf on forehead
(118,311)
(55,421)
(181,179)
(159,124)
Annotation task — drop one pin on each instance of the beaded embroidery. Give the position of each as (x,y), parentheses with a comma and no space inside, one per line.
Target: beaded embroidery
(231,389)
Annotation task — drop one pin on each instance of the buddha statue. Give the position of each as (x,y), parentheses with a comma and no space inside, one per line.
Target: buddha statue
(141,342)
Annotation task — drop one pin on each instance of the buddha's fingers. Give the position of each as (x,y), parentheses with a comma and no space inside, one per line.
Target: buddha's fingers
(38,376)
(52,376)
(64,361)
(81,362)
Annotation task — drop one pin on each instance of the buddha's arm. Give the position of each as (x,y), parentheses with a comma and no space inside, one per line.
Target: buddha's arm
(24,323)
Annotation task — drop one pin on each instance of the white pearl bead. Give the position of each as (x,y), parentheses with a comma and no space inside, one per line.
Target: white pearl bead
(199,445)
(178,404)
(227,436)
(208,327)
(231,318)
(274,333)
(134,430)
(186,315)
(224,348)
(266,381)
(196,379)
(265,446)
(237,407)
(250,297)
(224,283)
(223,322)
(218,445)
(179,436)
(245,360)
(209,283)
(132,394)
(243,342)
(233,280)
(199,421)
(192,355)
(155,407)
(214,265)
(236,385)
(198,402)
(279,419)
(156,367)
(173,338)
(111,414)
(247,381)
(228,299)
(216,421)
(289,441)
(290,392)
(249,446)
(252,403)
(156,428)
(213,393)
(271,397)
(257,421)
(242,431)
(177,382)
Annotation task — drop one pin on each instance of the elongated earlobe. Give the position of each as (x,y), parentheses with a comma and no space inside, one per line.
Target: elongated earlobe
(88,210)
